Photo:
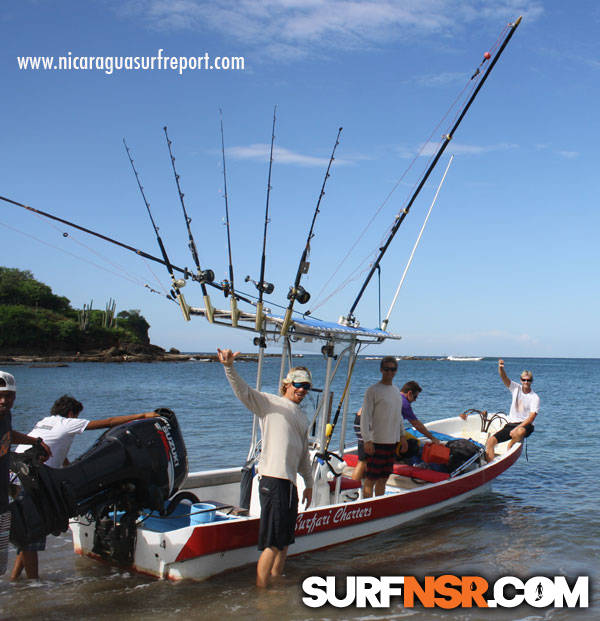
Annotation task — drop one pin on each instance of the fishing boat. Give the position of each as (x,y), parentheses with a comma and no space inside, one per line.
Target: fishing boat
(204,538)
(200,524)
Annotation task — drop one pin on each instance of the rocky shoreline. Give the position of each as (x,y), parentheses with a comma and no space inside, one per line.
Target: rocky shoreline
(148,353)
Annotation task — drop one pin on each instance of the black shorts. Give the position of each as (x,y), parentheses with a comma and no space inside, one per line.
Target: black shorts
(278,512)
(504,434)
(381,464)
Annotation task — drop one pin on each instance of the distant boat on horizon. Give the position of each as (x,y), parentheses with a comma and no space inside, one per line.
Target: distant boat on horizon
(464,358)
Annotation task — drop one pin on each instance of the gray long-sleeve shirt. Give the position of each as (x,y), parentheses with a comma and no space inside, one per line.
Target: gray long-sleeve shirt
(381,418)
(284,429)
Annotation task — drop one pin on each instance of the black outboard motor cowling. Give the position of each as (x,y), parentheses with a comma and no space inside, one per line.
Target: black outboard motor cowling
(134,466)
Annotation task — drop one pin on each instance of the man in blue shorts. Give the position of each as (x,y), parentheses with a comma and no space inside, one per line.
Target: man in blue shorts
(381,428)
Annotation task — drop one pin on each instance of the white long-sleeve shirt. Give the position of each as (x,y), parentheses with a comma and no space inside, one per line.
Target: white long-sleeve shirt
(284,427)
(381,418)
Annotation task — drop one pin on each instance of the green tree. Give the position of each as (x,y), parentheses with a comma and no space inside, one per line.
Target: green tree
(20,287)
(133,321)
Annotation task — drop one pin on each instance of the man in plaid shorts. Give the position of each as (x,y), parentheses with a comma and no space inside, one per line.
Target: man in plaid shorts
(382,428)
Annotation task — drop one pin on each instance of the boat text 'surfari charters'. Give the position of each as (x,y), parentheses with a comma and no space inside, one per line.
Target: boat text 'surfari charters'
(130,498)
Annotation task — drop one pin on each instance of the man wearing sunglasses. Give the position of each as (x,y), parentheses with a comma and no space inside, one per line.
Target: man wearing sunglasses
(381,428)
(524,407)
(284,455)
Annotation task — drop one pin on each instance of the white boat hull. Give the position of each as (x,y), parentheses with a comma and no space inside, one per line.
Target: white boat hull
(200,551)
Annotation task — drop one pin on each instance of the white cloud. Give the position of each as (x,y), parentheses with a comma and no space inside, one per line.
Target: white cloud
(294,28)
(441,79)
(568,154)
(456,148)
(562,152)
(260,152)
(477,343)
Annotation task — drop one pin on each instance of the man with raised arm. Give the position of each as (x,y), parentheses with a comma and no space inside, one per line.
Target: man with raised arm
(284,455)
(381,428)
(524,407)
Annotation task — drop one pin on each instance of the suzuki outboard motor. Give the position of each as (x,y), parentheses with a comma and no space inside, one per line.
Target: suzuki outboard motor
(134,466)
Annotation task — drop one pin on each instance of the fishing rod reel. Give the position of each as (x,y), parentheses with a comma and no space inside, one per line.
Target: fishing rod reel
(204,276)
(263,285)
(299,293)
(349,321)
(174,293)
(260,341)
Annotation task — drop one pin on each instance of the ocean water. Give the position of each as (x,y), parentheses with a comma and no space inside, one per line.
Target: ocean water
(541,517)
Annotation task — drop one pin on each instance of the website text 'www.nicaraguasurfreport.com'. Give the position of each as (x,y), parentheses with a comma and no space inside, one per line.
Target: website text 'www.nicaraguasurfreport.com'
(111,64)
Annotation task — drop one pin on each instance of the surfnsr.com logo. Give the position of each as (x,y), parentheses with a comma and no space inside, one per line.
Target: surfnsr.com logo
(446,591)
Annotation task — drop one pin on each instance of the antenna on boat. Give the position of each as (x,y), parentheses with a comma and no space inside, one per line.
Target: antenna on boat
(177,283)
(350,319)
(384,323)
(297,292)
(204,276)
(262,286)
(229,286)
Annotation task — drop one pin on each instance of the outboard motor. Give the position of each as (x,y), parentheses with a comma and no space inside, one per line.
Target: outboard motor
(131,467)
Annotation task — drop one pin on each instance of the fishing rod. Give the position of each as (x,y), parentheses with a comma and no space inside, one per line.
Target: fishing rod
(229,285)
(177,283)
(145,255)
(350,319)
(297,292)
(204,276)
(262,286)
(384,323)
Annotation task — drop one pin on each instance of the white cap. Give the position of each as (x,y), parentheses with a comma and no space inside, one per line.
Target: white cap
(298,375)
(7,382)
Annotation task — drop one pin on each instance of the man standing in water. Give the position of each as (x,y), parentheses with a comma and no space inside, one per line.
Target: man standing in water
(8,393)
(284,455)
(381,428)
(524,408)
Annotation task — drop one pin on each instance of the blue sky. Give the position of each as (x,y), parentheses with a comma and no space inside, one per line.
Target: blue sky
(508,263)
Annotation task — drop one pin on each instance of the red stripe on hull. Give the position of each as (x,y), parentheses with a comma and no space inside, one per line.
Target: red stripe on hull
(230,535)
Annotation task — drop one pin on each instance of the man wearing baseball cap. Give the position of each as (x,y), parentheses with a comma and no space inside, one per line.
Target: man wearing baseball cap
(8,436)
(284,454)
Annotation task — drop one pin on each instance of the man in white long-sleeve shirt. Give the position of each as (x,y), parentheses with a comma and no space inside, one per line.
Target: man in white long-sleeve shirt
(381,428)
(284,454)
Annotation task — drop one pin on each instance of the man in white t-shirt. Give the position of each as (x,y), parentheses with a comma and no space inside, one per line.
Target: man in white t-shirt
(524,408)
(58,432)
